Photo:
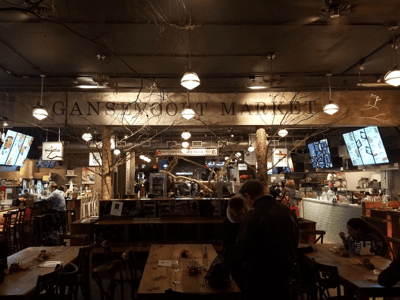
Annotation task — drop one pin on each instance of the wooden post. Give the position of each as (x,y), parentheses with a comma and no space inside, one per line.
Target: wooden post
(261,155)
(106,184)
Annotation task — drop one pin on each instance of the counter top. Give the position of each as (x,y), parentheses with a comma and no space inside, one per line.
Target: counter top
(330,203)
(169,199)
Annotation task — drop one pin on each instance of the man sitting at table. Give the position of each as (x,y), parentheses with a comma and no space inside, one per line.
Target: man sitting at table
(267,240)
(53,218)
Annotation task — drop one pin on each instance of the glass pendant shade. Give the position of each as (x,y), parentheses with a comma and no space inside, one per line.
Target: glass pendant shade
(188,113)
(251,149)
(184,150)
(283,132)
(393,77)
(190,80)
(331,108)
(186,135)
(3,137)
(86,136)
(117,152)
(40,113)
(185,144)
(257,85)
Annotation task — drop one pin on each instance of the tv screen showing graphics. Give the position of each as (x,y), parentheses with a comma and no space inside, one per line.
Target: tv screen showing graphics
(15,149)
(320,154)
(365,146)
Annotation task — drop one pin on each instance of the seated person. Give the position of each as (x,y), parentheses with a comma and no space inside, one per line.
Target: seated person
(56,197)
(360,230)
(391,275)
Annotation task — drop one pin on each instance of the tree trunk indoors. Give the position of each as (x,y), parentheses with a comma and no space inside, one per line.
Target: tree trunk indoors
(261,154)
(106,184)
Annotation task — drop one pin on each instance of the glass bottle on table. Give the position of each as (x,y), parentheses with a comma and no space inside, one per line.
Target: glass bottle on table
(175,267)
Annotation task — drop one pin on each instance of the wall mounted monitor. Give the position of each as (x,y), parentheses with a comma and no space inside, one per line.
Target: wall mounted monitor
(320,154)
(15,148)
(365,146)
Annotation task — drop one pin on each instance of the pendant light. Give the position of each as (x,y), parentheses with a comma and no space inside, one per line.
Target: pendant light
(190,80)
(87,136)
(184,150)
(188,113)
(117,152)
(256,85)
(330,108)
(283,132)
(393,76)
(186,135)
(185,144)
(39,112)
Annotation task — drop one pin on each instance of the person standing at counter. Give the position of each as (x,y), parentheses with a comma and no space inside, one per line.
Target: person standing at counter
(360,230)
(267,241)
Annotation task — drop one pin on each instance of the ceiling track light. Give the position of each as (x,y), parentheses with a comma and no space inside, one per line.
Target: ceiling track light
(330,108)
(393,76)
(39,112)
(190,79)
(283,132)
(186,135)
(188,113)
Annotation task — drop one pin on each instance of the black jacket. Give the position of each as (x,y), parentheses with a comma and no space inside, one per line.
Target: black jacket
(391,275)
(269,236)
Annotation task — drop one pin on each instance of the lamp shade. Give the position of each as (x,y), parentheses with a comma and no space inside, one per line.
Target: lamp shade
(188,113)
(190,80)
(40,113)
(255,85)
(117,152)
(184,150)
(186,135)
(283,132)
(185,144)
(393,77)
(86,136)
(331,108)
(250,149)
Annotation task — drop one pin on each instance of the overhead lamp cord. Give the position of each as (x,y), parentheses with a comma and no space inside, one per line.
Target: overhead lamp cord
(41,90)
(329,83)
(394,49)
(190,54)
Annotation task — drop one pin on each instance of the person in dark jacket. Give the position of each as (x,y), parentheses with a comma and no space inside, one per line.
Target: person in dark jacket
(267,240)
(236,211)
(391,275)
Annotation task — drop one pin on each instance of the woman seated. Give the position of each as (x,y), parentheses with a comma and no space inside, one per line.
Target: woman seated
(360,230)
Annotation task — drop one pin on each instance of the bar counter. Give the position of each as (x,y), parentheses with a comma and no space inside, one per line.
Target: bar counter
(169,199)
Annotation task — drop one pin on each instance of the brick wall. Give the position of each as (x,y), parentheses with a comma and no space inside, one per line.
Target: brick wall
(330,217)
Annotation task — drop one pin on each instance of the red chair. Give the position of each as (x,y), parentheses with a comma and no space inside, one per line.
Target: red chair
(295,210)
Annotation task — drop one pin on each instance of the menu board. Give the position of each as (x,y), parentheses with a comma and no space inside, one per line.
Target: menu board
(23,153)
(7,145)
(365,147)
(16,147)
(320,154)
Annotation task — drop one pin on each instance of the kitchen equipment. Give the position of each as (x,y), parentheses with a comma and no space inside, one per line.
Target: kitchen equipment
(362,183)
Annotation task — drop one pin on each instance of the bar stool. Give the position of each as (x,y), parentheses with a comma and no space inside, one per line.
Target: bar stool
(20,240)
(29,225)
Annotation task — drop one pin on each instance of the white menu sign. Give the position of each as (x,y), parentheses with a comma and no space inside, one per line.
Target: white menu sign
(280,157)
(191,152)
(95,159)
(52,151)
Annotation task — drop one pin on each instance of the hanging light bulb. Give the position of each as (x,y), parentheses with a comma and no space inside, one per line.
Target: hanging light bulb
(87,136)
(141,156)
(393,76)
(185,144)
(330,108)
(190,80)
(186,135)
(39,112)
(117,152)
(226,157)
(250,149)
(184,150)
(283,132)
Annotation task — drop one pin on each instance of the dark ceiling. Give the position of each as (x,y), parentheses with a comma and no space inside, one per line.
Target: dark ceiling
(148,40)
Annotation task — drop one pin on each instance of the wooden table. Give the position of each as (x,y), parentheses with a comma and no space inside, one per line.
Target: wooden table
(352,276)
(156,280)
(21,285)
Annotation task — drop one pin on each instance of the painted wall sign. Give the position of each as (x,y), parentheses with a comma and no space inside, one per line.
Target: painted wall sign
(280,157)
(52,151)
(191,152)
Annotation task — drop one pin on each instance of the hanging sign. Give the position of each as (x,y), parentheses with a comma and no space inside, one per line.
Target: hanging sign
(191,152)
(242,167)
(95,159)
(52,151)
(280,157)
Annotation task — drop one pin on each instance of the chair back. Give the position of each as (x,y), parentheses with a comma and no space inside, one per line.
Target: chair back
(75,239)
(68,283)
(108,254)
(318,234)
(327,277)
(48,283)
(85,269)
(295,210)
(132,275)
(394,246)
(109,272)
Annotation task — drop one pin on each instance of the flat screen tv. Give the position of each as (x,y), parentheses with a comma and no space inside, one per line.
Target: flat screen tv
(365,146)
(15,149)
(320,154)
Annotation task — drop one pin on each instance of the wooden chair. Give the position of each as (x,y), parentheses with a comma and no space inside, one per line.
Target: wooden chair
(85,270)
(318,233)
(67,287)
(108,253)
(132,273)
(30,229)
(10,231)
(174,295)
(75,239)
(112,273)
(20,233)
(327,277)
(48,283)
(394,246)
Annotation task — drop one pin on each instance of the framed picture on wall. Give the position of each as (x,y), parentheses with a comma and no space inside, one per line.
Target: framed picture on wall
(88,176)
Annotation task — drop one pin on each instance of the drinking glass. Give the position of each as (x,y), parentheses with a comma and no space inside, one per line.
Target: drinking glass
(175,267)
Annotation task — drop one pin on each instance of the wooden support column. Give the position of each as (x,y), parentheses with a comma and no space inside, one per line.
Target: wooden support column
(261,155)
(130,173)
(106,184)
